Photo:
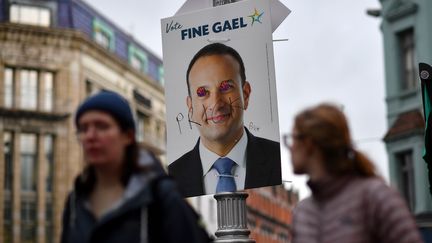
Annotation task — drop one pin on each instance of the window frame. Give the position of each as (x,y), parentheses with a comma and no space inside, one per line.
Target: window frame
(100,28)
(407,59)
(20,19)
(136,53)
(405,173)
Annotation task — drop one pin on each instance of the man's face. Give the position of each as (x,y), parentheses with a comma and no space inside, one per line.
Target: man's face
(217,98)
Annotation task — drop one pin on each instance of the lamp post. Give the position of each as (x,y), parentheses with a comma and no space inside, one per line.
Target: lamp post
(231,218)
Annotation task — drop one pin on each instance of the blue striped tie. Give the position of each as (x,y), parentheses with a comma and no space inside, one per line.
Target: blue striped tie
(226,181)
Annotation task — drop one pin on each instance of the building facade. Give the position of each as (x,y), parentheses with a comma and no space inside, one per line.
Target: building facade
(407,36)
(53,54)
(270,213)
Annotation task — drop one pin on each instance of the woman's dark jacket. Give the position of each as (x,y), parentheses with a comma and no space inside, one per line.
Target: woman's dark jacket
(155,213)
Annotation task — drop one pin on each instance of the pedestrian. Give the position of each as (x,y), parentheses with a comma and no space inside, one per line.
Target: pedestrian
(349,201)
(123,194)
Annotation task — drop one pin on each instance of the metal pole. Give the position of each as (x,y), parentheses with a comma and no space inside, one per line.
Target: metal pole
(231,218)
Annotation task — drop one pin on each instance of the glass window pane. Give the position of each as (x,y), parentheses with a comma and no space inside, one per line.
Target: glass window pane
(8,157)
(136,62)
(49,237)
(161,76)
(14,13)
(28,162)
(101,38)
(44,17)
(406,176)
(408,59)
(8,87)
(28,221)
(7,223)
(140,128)
(28,89)
(28,15)
(48,91)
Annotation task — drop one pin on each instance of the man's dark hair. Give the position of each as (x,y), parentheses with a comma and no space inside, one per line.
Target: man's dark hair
(217,49)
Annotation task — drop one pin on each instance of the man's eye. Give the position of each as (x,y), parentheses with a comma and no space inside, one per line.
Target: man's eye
(201,92)
(225,86)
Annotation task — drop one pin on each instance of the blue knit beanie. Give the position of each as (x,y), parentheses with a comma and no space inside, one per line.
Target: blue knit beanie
(112,103)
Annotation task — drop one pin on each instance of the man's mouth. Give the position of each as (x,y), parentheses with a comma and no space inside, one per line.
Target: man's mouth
(218,118)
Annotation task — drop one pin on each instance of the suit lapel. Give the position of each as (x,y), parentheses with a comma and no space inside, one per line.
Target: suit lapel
(195,186)
(257,171)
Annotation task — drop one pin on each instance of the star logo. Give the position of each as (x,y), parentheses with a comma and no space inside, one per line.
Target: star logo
(256,17)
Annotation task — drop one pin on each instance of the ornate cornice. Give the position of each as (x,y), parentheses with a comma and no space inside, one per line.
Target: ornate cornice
(64,38)
(400,9)
(28,114)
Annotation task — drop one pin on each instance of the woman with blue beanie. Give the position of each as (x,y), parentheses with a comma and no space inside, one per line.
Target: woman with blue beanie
(123,194)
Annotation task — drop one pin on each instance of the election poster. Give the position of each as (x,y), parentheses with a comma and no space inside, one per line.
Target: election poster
(221,99)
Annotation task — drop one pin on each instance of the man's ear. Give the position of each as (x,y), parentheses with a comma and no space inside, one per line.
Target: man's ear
(189,102)
(246,94)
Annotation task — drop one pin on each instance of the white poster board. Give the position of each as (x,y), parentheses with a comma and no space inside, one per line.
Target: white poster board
(244,26)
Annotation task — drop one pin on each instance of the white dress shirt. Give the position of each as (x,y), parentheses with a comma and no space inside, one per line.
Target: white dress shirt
(210,174)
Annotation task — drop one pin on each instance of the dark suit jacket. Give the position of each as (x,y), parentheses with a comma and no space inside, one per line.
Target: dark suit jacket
(263,167)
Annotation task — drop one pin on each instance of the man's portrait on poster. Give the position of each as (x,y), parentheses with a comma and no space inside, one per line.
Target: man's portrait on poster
(226,156)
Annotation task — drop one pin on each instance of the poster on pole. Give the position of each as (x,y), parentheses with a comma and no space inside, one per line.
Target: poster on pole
(222,115)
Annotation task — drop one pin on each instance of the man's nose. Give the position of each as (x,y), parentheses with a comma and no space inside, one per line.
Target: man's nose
(216,100)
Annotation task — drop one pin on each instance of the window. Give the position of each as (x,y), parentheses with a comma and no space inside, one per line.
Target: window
(102,38)
(138,58)
(153,70)
(283,237)
(267,230)
(103,34)
(141,126)
(28,221)
(49,223)
(32,15)
(48,81)
(49,155)
(7,221)
(8,87)
(92,88)
(161,76)
(28,162)
(8,159)
(136,62)
(251,223)
(29,94)
(408,60)
(406,176)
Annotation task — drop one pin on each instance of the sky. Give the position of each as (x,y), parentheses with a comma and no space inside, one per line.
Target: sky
(334,53)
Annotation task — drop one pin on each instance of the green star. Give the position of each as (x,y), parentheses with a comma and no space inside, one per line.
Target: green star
(256,17)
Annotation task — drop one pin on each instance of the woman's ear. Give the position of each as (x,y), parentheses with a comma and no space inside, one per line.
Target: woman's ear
(309,145)
(130,136)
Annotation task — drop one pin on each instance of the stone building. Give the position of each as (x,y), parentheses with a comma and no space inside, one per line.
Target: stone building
(53,54)
(406,37)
